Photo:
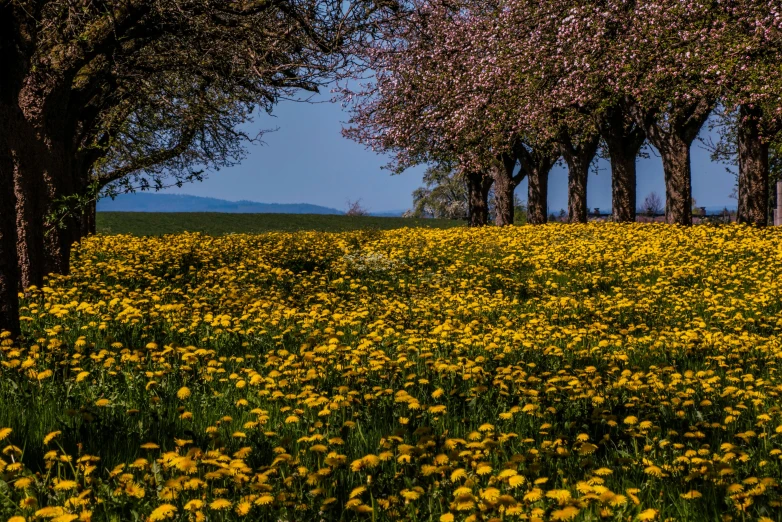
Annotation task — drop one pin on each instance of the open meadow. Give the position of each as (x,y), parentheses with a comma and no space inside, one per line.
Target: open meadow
(217,223)
(559,372)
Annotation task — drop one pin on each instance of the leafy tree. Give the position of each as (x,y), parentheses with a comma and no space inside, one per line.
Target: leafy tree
(444,194)
(94,91)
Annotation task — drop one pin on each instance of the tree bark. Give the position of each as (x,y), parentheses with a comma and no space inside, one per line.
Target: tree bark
(504,189)
(9,263)
(537,197)
(537,164)
(478,187)
(624,139)
(672,135)
(753,169)
(88,220)
(678,181)
(30,209)
(578,157)
(42,176)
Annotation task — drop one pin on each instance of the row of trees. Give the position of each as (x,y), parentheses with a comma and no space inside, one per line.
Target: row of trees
(139,93)
(505,88)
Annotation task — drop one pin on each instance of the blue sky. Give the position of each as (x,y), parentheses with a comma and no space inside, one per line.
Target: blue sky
(308,161)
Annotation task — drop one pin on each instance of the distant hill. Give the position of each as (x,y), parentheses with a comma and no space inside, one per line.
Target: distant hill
(151,202)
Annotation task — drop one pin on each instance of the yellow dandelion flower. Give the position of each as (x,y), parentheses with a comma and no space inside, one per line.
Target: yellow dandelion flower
(490,494)
(243,508)
(648,514)
(4,433)
(447,517)
(194,505)
(264,500)
(566,513)
(483,469)
(691,495)
(183,393)
(219,504)
(409,494)
(65,485)
(516,481)
(23,482)
(50,437)
(163,512)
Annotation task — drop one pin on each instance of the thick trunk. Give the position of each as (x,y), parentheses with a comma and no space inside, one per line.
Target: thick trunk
(672,135)
(537,196)
(753,169)
(678,181)
(478,194)
(577,194)
(504,190)
(578,158)
(30,190)
(624,139)
(9,264)
(42,176)
(623,185)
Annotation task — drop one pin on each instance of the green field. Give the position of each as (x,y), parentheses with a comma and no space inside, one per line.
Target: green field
(217,224)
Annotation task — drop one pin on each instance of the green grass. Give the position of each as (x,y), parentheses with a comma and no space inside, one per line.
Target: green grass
(217,224)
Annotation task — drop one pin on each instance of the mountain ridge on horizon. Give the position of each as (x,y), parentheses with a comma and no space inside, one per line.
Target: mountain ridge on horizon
(155,202)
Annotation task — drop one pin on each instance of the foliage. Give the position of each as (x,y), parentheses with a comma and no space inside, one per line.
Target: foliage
(444,194)
(558,372)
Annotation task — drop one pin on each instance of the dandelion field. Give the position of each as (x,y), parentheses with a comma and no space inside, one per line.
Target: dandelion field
(560,372)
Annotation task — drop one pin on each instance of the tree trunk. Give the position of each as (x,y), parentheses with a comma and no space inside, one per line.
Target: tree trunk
(60,234)
(537,196)
(624,139)
(578,158)
(30,190)
(672,135)
(623,185)
(9,263)
(577,194)
(478,198)
(504,190)
(88,220)
(678,180)
(753,169)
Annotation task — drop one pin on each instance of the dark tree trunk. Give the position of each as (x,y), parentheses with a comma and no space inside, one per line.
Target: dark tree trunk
(30,189)
(672,135)
(9,263)
(577,194)
(578,157)
(753,169)
(537,164)
(61,233)
(623,187)
(678,181)
(537,197)
(478,198)
(504,189)
(88,220)
(624,139)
